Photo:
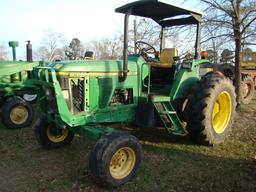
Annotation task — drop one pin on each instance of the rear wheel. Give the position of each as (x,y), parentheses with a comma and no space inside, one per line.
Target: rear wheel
(115,158)
(247,89)
(17,113)
(49,137)
(211,109)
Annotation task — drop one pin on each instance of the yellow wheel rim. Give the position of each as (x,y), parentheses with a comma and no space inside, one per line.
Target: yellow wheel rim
(122,163)
(57,138)
(221,112)
(19,115)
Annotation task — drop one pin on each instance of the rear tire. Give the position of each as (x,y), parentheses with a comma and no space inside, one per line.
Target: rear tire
(17,113)
(50,138)
(115,158)
(211,109)
(247,89)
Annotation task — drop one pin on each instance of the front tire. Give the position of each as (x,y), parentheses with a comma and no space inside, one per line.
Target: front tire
(115,158)
(211,109)
(17,113)
(50,138)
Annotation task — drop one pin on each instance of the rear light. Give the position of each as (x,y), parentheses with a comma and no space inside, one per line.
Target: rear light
(204,54)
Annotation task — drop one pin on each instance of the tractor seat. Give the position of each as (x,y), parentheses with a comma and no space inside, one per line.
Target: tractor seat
(166,58)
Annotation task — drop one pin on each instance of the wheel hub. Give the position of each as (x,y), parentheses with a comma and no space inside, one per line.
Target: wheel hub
(57,137)
(19,115)
(221,112)
(122,163)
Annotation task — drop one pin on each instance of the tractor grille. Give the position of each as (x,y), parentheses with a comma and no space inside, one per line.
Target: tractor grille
(78,95)
(73,92)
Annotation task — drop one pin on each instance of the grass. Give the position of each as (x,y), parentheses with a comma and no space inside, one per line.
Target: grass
(169,163)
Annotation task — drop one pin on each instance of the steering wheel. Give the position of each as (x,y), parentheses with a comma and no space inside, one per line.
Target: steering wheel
(144,48)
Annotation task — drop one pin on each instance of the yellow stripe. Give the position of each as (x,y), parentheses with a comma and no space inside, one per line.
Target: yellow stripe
(91,74)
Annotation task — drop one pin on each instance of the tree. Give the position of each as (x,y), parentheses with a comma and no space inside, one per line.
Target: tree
(148,31)
(75,50)
(3,53)
(52,46)
(212,56)
(107,48)
(211,41)
(143,30)
(227,56)
(236,19)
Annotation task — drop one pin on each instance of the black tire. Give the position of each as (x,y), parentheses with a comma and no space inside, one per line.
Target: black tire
(247,89)
(119,146)
(211,109)
(49,140)
(17,113)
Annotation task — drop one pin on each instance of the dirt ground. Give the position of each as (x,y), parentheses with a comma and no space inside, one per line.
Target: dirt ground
(169,163)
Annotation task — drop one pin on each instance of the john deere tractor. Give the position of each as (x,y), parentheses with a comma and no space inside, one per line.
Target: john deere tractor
(76,97)
(17,90)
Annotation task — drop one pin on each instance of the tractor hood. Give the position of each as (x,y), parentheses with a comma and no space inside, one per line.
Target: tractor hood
(114,66)
(12,67)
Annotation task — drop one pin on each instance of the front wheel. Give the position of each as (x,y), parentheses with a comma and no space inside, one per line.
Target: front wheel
(49,137)
(115,158)
(17,113)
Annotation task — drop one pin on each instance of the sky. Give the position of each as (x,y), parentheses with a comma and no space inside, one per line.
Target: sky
(23,20)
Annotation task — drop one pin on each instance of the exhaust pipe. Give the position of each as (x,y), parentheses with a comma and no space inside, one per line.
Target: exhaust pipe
(13,45)
(123,75)
(29,51)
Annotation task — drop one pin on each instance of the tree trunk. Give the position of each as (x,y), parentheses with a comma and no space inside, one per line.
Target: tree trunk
(237,66)
(135,34)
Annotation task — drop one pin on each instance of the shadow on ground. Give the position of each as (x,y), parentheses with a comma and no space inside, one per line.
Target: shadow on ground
(169,163)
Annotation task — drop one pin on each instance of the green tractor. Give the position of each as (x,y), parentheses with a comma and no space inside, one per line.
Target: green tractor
(17,90)
(80,97)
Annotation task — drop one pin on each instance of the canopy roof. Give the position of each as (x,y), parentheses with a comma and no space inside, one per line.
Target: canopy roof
(162,11)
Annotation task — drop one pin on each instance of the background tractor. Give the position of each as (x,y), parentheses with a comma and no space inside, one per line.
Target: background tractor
(248,74)
(78,96)
(17,91)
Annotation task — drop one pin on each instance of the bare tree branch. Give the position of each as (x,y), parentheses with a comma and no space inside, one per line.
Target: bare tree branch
(248,24)
(217,6)
(215,37)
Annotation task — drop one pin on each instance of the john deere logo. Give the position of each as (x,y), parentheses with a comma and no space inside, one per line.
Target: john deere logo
(58,66)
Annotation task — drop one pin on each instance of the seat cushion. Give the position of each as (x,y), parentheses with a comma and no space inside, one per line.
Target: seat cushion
(166,58)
